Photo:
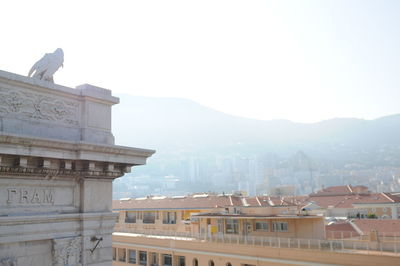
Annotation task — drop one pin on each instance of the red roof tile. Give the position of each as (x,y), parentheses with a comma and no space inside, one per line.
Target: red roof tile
(340,230)
(198,202)
(187,202)
(347,201)
(341,190)
(382,226)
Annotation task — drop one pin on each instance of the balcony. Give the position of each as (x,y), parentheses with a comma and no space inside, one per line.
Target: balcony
(391,248)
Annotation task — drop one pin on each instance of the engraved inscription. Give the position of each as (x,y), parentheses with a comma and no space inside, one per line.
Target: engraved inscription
(30,196)
(26,105)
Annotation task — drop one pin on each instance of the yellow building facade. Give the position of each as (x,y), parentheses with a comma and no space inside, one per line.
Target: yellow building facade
(232,231)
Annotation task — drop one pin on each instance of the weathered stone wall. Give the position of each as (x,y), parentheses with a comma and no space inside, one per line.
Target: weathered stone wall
(57,164)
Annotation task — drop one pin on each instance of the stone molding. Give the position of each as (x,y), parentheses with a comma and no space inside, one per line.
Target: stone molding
(37,227)
(56,218)
(82,90)
(52,173)
(13,144)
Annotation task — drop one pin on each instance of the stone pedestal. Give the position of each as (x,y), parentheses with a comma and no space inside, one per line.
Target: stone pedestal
(57,164)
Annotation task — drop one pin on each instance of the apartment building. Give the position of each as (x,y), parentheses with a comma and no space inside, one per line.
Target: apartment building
(227,230)
(353,202)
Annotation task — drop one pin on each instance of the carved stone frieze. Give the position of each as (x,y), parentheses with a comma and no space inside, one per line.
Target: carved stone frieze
(21,104)
(67,251)
(51,173)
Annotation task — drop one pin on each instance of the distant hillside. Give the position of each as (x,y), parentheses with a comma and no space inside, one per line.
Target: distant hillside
(168,124)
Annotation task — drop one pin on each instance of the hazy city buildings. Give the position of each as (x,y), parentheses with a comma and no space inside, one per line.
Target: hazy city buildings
(220,230)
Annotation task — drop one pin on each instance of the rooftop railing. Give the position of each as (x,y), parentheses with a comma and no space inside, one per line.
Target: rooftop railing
(337,245)
(381,236)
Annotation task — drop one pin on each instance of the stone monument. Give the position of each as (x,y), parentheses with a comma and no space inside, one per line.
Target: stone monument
(57,164)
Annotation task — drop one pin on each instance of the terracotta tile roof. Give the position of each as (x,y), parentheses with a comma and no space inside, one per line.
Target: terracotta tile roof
(333,201)
(198,202)
(254,201)
(393,197)
(382,226)
(341,190)
(296,200)
(186,202)
(268,201)
(340,230)
(347,201)
(342,226)
(235,201)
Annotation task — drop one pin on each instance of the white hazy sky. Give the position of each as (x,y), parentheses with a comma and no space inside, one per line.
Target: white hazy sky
(299,60)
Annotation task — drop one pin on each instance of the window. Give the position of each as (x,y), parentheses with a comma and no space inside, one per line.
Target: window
(228,264)
(169,218)
(121,254)
(149,217)
(167,259)
(384,209)
(114,253)
(279,226)
(232,226)
(142,258)
(132,256)
(220,225)
(262,226)
(195,262)
(211,263)
(181,261)
(153,259)
(130,217)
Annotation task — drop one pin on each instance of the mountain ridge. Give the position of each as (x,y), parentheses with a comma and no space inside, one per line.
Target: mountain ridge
(175,123)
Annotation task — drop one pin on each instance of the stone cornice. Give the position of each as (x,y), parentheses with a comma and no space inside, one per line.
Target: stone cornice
(53,218)
(52,173)
(54,226)
(33,83)
(29,146)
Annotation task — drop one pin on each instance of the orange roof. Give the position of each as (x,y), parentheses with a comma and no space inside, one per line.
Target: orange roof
(341,190)
(184,202)
(347,201)
(340,227)
(197,202)
(382,226)
(268,201)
